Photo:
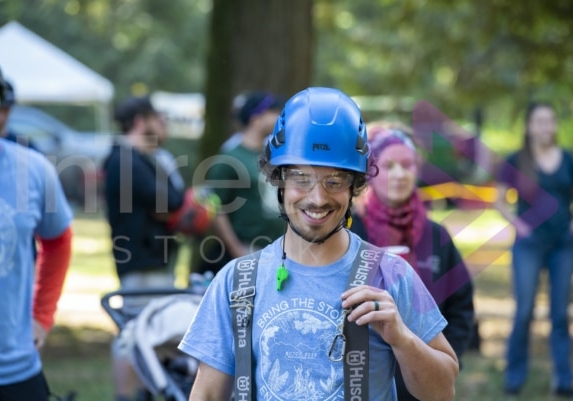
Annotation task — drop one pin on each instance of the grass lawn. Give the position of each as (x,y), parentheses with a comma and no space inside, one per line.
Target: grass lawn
(76,356)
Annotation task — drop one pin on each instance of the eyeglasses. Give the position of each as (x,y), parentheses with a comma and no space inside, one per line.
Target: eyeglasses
(332,183)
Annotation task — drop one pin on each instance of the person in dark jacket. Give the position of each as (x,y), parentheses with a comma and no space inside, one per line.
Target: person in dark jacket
(393,215)
(139,197)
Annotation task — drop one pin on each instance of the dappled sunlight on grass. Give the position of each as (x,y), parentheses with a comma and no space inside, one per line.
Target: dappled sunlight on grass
(481,379)
(90,225)
(90,245)
(77,359)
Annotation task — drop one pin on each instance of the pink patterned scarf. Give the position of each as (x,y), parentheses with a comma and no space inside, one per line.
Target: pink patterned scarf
(402,225)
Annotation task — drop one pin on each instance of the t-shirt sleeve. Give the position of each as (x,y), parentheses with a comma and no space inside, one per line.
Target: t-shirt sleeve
(210,335)
(416,305)
(227,174)
(56,214)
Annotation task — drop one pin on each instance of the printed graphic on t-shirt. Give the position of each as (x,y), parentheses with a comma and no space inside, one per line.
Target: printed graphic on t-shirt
(7,238)
(294,344)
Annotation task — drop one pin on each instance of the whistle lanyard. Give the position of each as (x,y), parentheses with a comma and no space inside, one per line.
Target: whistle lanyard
(350,344)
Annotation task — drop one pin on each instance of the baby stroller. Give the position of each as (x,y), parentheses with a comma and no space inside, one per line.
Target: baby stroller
(154,334)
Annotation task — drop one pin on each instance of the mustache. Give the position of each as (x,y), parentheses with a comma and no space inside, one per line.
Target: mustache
(317,208)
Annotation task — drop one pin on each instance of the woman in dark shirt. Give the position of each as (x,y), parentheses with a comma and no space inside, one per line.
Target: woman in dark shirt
(542,174)
(393,214)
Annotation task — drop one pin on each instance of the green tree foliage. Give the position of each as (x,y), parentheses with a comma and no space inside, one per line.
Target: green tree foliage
(457,54)
(140,45)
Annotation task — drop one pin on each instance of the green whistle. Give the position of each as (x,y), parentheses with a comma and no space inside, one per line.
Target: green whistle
(282,275)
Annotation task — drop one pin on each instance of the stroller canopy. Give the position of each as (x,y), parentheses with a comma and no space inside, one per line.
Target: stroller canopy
(157,330)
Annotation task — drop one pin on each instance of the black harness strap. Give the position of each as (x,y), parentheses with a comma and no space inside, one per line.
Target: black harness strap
(356,353)
(356,360)
(242,302)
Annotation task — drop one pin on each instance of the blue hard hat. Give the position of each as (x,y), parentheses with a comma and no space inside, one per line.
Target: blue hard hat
(320,127)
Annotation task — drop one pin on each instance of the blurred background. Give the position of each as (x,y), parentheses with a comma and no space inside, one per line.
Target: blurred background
(478,63)
(473,66)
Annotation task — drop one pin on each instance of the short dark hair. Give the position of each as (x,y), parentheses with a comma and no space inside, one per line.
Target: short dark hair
(127,111)
(9,98)
(256,103)
(525,161)
(2,87)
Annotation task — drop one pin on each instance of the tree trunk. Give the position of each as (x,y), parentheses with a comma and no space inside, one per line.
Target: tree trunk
(254,45)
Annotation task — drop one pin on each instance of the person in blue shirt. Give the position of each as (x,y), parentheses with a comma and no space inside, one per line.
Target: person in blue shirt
(32,205)
(8,101)
(318,157)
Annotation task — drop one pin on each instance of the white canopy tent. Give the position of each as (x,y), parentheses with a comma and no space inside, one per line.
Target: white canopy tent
(43,73)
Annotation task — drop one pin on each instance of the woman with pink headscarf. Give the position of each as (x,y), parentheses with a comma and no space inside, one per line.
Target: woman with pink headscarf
(393,215)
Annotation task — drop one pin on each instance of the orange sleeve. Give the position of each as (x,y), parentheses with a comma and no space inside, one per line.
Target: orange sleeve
(51,266)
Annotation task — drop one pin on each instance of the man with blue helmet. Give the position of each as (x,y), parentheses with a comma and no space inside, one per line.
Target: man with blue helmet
(324,315)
